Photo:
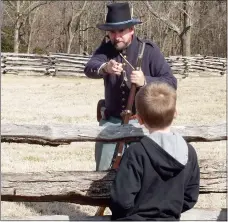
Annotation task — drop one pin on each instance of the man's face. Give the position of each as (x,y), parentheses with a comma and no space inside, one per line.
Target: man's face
(121,38)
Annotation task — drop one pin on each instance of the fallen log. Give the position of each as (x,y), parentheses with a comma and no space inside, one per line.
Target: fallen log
(23,55)
(30,68)
(65,133)
(67,70)
(89,187)
(59,57)
(71,61)
(74,55)
(193,214)
(62,73)
(26,63)
(63,65)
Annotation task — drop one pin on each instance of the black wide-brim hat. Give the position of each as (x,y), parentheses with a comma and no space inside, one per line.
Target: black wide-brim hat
(118,17)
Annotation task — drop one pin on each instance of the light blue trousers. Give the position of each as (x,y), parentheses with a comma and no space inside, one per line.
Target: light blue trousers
(104,151)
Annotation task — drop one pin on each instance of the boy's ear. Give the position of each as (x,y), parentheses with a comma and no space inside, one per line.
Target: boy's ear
(141,121)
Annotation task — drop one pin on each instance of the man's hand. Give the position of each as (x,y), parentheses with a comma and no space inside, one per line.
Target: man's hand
(113,67)
(138,78)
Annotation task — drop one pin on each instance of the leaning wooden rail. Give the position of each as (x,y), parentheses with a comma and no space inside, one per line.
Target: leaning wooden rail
(55,135)
(190,215)
(89,187)
(60,64)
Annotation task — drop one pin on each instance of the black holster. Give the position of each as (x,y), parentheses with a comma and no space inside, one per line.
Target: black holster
(102,112)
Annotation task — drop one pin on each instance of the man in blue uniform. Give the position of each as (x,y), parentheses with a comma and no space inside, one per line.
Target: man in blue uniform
(107,62)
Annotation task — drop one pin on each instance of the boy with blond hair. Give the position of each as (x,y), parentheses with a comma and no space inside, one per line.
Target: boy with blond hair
(158,177)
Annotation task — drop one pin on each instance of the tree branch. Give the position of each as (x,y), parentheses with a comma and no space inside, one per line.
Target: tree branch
(91,27)
(9,15)
(208,20)
(11,5)
(171,25)
(80,12)
(33,7)
(23,3)
(182,10)
(185,30)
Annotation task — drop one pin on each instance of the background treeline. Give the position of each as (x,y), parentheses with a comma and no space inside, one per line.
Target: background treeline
(178,27)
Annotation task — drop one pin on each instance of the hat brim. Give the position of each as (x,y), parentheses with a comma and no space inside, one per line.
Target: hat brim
(119,25)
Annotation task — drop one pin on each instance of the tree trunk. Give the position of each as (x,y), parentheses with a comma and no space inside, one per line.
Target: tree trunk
(166,32)
(186,35)
(80,37)
(16,29)
(32,20)
(70,40)
(74,25)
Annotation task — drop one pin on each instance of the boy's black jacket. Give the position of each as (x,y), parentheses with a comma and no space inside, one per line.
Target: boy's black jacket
(152,185)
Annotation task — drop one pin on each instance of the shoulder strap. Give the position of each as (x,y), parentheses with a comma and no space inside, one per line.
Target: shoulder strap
(140,55)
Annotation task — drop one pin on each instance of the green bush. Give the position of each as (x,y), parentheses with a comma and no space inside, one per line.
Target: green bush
(38,50)
(7,39)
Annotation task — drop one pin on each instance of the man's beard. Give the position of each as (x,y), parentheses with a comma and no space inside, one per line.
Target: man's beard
(118,47)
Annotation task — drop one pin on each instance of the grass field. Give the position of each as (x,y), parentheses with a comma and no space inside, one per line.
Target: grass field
(46,100)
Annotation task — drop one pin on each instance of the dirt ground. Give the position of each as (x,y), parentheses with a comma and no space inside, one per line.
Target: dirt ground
(47,100)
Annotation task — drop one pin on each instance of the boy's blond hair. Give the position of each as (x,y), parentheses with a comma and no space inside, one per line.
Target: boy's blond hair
(156,104)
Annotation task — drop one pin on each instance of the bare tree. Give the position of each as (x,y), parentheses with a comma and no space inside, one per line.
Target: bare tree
(184,30)
(72,13)
(173,25)
(1,14)
(18,11)
(31,19)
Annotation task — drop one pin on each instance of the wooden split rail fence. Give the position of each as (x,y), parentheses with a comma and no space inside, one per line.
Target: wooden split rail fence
(60,64)
(91,187)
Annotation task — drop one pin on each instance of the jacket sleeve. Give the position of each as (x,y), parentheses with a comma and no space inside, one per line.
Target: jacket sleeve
(192,189)
(159,68)
(96,61)
(126,185)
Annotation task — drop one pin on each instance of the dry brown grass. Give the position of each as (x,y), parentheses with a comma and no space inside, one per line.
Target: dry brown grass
(45,100)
